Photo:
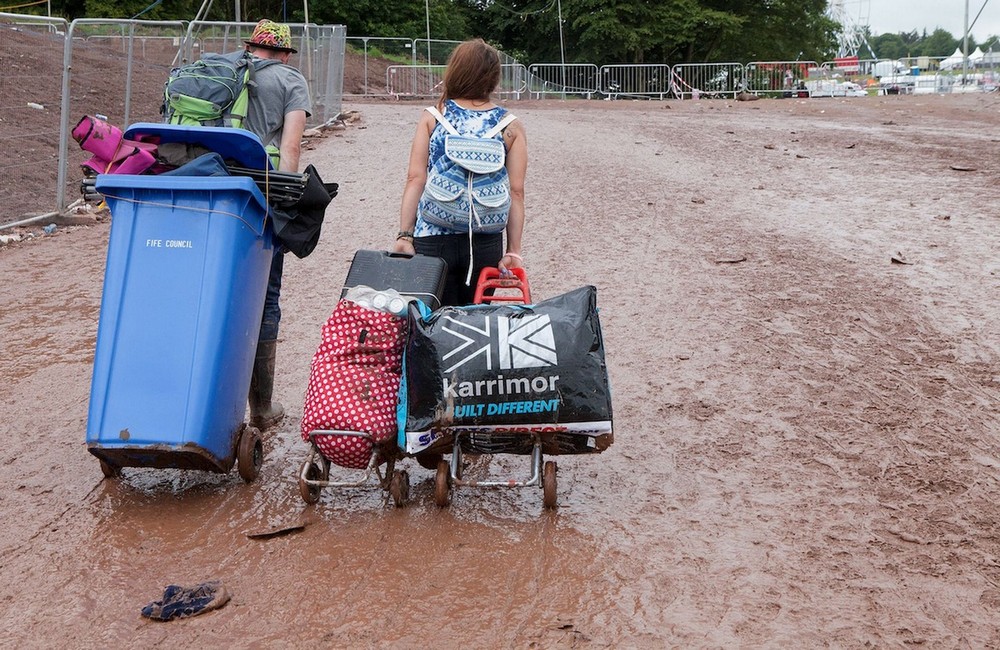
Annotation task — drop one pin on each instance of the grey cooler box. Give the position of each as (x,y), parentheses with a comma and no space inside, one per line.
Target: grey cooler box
(420,276)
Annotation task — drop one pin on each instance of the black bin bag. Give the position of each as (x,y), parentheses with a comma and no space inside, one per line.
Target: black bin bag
(297,222)
(501,372)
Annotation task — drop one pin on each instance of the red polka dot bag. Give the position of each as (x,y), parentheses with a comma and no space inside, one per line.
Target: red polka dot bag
(354,382)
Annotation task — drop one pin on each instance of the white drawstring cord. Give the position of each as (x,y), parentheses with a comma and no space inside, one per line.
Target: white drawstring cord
(472,214)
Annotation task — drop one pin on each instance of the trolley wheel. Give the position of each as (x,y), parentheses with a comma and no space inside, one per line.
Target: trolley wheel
(399,487)
(442,484)
(310,493)
(109,470)
(549,484)
(428,460)
(250,455)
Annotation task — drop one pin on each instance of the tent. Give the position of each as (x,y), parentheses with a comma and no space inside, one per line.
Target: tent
(953,61)
(976,57)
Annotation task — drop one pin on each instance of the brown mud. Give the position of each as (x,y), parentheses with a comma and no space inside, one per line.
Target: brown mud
(807,439)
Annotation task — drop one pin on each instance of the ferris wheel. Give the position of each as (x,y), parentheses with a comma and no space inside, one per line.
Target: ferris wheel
(853,17)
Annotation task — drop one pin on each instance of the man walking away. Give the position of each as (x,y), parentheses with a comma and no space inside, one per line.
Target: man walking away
(278,107)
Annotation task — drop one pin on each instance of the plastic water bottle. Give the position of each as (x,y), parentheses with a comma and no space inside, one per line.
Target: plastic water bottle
(397,306)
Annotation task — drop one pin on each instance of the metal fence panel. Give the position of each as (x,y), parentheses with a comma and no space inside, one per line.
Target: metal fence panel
(707,80)
(513,80)
(778,78)
(149,49)
(33,152)
(635,80)
(325,71)
(581,79)
(414,80)
(374,48)
(320,56)
(851,68)
(125,94)
(433,52)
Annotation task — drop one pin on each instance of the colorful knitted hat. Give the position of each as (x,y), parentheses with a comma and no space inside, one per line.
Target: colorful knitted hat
(273,36)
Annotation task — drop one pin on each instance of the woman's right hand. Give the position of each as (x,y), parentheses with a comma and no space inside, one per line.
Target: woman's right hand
(509,261)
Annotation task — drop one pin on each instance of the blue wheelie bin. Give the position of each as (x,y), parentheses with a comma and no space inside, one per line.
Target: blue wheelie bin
(187,268)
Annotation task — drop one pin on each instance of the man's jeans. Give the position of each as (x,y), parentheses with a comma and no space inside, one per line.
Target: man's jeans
(272,312)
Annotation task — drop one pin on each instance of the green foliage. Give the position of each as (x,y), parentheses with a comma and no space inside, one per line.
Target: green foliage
(895,46)
(593,31)
(657,31)
(776,30)
(940,43)
(407,18)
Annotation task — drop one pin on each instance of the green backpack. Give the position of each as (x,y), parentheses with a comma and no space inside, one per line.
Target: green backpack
(212,91)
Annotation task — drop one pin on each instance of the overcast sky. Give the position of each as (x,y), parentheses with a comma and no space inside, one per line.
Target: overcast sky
(893,16)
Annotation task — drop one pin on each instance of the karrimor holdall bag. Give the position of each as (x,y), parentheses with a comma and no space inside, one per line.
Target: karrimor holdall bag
(499,371)
(467,189)
(212,91)
(354,382)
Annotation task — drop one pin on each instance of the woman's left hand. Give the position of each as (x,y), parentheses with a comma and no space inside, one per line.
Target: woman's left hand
(404,246)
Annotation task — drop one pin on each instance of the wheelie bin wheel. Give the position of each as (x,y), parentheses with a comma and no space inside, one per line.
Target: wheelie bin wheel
(109,470)
(250,455)
(399,487)
(310,493)
(442,484)
(549,484)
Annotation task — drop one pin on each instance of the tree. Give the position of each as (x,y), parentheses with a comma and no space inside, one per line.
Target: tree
(658,31)
(777,30)
(940,43)
(639,31)
(891,46)
(529,26)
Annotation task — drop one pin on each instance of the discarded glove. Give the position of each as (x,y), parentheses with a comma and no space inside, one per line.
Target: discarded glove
(181,602)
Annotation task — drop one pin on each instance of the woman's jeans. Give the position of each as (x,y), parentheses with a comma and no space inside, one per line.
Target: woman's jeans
(454,249)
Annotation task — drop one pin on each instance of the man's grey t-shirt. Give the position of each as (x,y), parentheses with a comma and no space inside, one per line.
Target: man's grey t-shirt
(279,90)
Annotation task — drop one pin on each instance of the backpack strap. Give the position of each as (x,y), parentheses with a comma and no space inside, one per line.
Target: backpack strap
(442,120)
(241,106)
(500,126)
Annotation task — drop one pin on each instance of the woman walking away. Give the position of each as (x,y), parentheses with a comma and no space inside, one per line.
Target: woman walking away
(465,180)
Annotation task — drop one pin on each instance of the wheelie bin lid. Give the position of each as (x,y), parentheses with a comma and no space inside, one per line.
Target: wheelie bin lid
(237,144)
(134,184)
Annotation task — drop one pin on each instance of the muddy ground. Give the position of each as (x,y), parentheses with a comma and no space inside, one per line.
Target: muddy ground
(807,437)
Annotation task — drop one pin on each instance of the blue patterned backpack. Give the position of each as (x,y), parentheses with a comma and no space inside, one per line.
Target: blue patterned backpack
(467,189)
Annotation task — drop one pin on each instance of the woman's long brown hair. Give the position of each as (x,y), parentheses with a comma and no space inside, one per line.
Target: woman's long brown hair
(473,72)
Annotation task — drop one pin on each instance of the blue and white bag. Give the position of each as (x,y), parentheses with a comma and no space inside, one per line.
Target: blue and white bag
(467,189)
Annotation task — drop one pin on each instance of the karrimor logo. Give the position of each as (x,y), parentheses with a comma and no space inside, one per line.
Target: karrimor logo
(525,342)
